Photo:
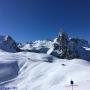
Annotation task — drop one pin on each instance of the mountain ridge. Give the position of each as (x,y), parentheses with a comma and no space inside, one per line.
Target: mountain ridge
(57,47)
(31,70)
(62,46)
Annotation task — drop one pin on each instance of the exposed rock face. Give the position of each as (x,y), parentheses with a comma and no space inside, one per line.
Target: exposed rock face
(66,48)
(62,38)
(8,44)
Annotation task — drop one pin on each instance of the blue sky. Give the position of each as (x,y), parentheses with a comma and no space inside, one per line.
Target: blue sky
(27,20)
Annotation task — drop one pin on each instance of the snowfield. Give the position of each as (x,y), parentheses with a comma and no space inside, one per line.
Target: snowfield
(34,71)
(38,65)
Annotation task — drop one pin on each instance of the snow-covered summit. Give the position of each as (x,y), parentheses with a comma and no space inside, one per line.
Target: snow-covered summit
(8,44)
(39,46)
(62,46)
(69,48)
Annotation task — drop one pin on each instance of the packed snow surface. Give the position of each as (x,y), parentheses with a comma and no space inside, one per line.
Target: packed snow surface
(33,71)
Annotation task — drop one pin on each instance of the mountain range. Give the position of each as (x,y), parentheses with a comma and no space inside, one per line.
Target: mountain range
(45,64)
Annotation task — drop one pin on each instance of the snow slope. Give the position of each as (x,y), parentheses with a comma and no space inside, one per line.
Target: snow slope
(36,73)
(35,69)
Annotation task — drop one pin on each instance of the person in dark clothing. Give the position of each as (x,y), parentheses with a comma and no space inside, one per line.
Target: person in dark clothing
(71,82)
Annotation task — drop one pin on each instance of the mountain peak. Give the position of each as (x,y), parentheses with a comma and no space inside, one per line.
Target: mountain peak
(66,48)
(62,46)
(8,44)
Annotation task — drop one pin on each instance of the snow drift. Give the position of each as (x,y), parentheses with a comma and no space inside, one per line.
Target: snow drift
(37,74)
(8,70)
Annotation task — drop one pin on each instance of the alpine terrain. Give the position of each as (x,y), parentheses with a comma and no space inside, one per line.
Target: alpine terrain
(45,64)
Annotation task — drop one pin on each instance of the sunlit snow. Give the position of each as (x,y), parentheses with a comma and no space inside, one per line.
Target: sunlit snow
(35,73)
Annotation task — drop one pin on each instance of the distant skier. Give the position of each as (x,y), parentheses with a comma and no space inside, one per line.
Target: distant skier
(71,82)
(72,85)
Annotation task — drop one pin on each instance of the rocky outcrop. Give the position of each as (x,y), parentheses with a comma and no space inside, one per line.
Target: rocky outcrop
(68,48)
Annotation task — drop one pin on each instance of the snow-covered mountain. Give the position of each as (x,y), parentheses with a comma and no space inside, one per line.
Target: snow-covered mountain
(39,46)
(69,48)
(45,65)
(8,44)
(62,47)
